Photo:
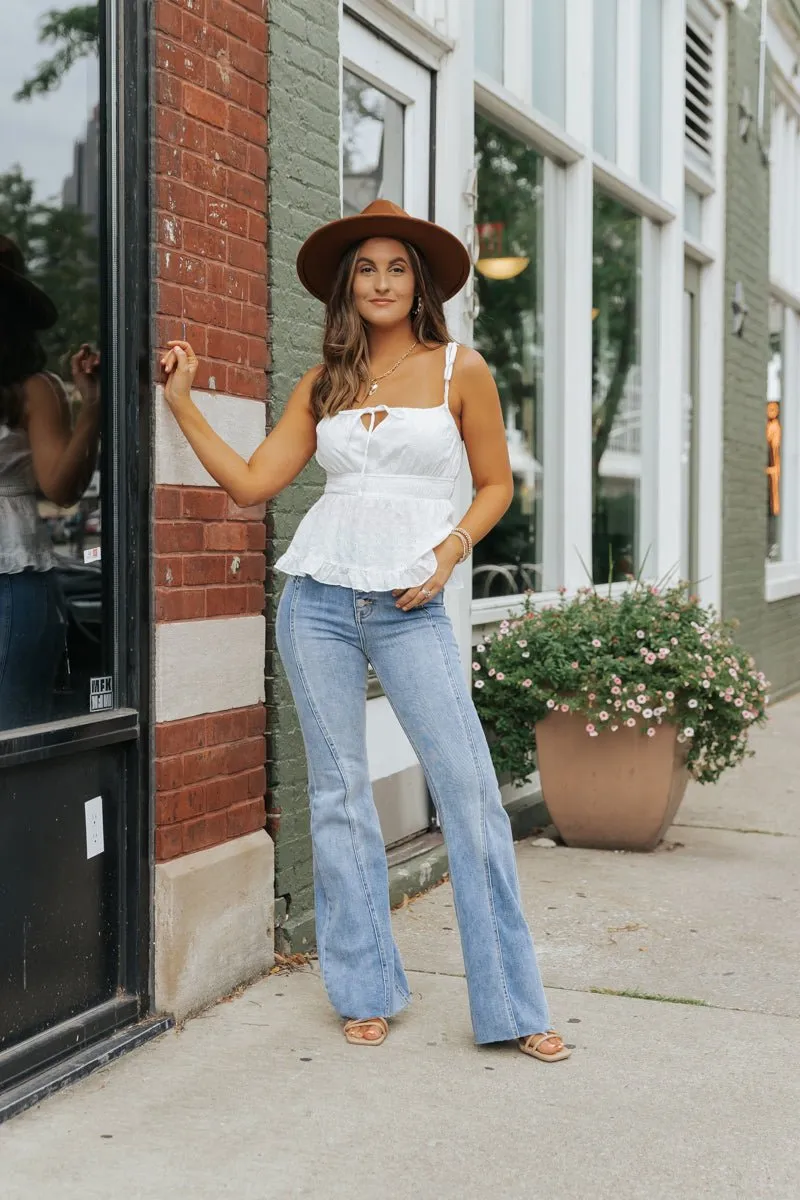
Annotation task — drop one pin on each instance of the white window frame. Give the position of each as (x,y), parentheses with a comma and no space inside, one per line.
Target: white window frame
(782,579)
(573,169)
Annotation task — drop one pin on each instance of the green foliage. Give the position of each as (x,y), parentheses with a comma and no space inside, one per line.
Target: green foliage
(76,33)
(648,658)
(61,254)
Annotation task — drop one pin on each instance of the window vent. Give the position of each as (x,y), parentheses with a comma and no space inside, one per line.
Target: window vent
(698,90)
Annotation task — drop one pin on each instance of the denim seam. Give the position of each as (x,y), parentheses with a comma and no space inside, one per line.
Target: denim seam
(5,627)
(487,868)
(317,717)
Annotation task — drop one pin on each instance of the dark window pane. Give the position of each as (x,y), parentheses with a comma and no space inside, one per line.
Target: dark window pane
(52,634)
(509,334)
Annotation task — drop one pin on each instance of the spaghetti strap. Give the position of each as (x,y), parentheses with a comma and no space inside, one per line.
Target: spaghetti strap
(449,363)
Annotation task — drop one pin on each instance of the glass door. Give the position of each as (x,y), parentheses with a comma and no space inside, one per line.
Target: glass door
(386,152)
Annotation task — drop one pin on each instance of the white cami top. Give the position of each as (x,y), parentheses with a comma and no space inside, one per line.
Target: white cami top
(388,496)
(24,540)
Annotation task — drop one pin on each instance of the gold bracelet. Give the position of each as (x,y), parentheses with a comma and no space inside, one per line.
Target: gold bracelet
(466,542)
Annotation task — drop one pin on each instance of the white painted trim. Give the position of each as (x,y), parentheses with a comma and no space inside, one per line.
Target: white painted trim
(402,25)
(701,181)
(540,131)
(242,424)
(208,666)
(491,612)
(697,251)
(630,192)
(553,452)
(782,580)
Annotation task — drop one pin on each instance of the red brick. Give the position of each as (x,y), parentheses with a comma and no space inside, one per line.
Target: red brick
(257,353)
(227,602)
(222,79)
(170,300)
(226,791)
(250,256)
(256,719)
(257,98)
(226,726)
(167,500)
(167,18)
(248,125)
(169,842)
(168,774)
(256,598)
(167,570)
(200,569)
(182,268)
(205,106)
(168,229)
(256,536)
(204,173)
(176,737)
(229,17)
(204,504)
(205,831)
(178,199)
(252,568)
(249,61)
(231,347)
(254,512)
(209,243)
(247,382)
(167,160)
(257,161)
(206,763)
(181,805)
(211,376)
(257,34)
(257,291)
(232,282)
(256,782)
(180,604)
(244,189)
(226,216)
(227,149)
(257,228)
(180,61)
(177,537)
(178,130)
(227,536)
(204,307)
(169,90)
(246,818)
(255,6)
(203,36)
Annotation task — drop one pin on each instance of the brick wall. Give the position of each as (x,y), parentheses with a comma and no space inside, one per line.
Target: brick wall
(771,631)
(209,137)
(304,192)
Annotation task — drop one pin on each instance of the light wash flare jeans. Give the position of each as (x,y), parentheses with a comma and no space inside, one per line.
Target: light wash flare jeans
(326,635)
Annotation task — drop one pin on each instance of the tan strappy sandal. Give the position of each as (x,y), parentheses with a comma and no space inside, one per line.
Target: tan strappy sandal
(530,1045)
(375,1022)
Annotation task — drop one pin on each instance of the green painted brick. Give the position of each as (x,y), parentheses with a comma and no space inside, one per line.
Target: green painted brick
(304,122)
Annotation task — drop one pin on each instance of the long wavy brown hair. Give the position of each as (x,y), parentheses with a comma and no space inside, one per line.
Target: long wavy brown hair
(345,370)
(21,356)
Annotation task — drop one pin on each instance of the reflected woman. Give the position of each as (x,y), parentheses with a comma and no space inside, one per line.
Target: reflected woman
(39,454)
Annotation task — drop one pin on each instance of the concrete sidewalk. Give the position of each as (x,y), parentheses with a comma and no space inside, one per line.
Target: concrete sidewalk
(262,1098)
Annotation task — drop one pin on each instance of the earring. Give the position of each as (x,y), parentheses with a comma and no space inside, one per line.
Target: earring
(416,307)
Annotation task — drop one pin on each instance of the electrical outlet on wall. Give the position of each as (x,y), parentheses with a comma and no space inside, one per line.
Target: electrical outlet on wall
(94,826)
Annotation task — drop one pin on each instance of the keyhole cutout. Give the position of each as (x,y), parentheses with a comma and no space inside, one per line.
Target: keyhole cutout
(373,420)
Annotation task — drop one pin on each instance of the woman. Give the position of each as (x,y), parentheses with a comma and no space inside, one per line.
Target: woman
(39,453)
(388,414)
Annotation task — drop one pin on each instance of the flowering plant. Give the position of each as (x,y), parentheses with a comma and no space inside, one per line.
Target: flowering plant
(647,658)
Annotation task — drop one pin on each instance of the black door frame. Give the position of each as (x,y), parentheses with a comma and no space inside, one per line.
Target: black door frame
(124,225)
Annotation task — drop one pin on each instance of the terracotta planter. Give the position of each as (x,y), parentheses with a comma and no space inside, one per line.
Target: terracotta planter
(618,791)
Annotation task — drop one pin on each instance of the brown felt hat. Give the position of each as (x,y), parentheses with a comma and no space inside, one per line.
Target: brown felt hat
(321,253)
(31,304)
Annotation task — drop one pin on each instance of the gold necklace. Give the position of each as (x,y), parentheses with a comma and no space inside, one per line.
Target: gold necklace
(373,383)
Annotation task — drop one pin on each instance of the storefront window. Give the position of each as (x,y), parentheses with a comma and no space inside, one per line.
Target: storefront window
(53,637)
(490,37)
(693,213)
(549,58)
(605,78)
(775,387)
(509,334)
(372,145)
(616,390)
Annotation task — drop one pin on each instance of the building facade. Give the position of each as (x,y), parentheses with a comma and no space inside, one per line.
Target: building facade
(626,175)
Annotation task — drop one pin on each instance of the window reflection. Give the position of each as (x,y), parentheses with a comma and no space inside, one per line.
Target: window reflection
(777,318)
(372,145)
(51,631)
(509,334)
(616,390)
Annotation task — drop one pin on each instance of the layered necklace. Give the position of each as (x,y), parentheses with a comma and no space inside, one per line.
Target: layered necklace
(373,383)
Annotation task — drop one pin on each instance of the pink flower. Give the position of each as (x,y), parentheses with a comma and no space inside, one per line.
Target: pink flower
(615,691)
(480,683)
(603,715)
(574,666)
(651,733)
(738,702)
(640,633)
(674,641)
(669,695)
(476,666)
(630,704)
(650,659)
(631,721)
(617,680)
(614,728)
(500,675)
(640,687)
(592,696)
(596,643)
(527,682)
(491,670)
(551,703)
(565,708)
(590,728)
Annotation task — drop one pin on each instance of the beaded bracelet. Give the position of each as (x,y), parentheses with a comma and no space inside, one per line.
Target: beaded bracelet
(466,542)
